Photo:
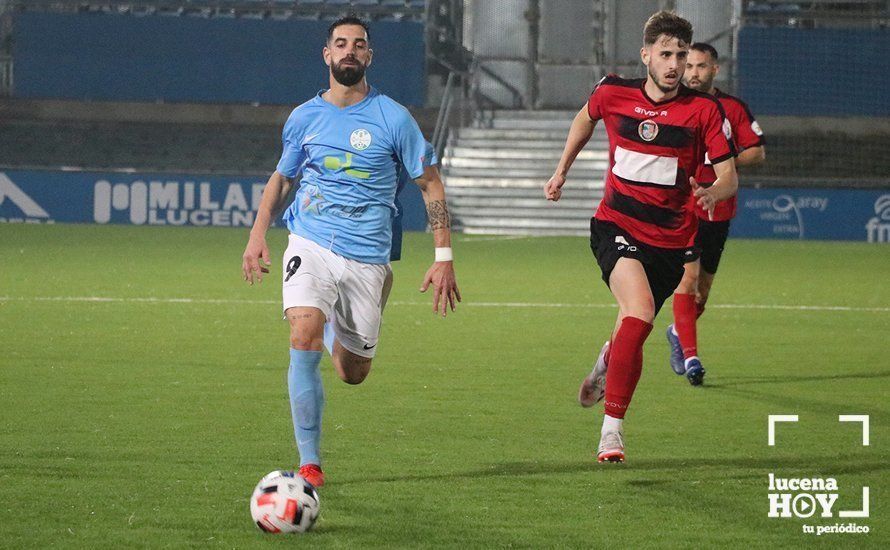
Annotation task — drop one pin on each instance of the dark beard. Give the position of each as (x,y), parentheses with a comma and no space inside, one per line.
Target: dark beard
(348,76)
(661,87)
(703,86)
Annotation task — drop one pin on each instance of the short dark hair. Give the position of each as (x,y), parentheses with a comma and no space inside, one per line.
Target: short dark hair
(669,23)
(349,20)
(704,47)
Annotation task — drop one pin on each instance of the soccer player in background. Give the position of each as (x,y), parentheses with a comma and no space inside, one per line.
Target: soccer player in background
(692,293)
(346,145)
(659,132)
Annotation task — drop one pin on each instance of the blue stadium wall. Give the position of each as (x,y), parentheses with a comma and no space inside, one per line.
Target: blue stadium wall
(183,59)
(808,72)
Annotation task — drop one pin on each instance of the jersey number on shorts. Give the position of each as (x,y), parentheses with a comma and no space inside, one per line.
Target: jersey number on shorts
(292,266)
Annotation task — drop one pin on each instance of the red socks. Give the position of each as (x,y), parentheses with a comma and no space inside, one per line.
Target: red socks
(625,364)
(685,313)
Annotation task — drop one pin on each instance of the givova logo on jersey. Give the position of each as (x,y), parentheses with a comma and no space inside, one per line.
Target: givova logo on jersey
(17,206)
(878,228)
(177,203)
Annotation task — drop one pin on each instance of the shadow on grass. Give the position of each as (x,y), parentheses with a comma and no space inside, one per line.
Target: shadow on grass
(733,381)
(324,529)
(718,468)
(783,401)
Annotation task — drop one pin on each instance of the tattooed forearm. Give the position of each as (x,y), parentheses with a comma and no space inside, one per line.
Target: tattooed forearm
(437,213)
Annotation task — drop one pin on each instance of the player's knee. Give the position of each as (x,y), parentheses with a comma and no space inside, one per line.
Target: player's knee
(647,316)
(642,311)
(306,342)
(353,370)
(702,293)
(687,285)
(701,298)
(353,378)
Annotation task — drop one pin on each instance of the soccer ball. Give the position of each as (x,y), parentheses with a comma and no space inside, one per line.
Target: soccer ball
(284,503)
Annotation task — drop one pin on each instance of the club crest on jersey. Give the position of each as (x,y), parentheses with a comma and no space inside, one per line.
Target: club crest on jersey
(756,128)
(360,139)
(727,129)
(648,130)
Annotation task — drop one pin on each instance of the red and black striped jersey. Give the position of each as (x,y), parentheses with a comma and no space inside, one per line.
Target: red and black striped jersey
(746,133)
(654,146)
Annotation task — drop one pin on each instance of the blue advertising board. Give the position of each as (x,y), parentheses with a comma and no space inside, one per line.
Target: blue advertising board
(31,196)
(34,196)
(821,214)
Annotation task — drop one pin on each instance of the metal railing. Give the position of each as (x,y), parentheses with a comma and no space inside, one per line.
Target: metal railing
(463,87)
(440,135)
(477,70)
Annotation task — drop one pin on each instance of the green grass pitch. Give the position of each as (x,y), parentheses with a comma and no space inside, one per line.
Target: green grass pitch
(147,419)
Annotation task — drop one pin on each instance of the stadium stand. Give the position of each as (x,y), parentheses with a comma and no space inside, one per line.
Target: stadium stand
(838,139)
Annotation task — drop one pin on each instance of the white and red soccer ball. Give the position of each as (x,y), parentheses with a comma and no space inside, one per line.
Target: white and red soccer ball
(284,503)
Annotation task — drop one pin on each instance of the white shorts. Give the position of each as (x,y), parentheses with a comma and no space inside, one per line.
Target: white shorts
(348,292)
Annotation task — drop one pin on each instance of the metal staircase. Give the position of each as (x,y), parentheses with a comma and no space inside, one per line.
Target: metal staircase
(495,172)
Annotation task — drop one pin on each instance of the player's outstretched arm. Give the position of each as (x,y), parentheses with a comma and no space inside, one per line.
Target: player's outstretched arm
(751,156)
(441,273)
(726,186)
(274,196)
(579,135)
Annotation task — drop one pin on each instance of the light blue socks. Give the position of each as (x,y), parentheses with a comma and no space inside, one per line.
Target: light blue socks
(306,402)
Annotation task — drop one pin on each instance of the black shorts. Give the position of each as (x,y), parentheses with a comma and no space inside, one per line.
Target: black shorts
(709,242)
(664,266)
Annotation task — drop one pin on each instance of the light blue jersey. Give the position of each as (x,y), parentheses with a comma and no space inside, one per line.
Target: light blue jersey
(349,159)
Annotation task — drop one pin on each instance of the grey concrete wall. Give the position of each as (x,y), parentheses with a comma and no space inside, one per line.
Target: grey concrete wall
(172,113)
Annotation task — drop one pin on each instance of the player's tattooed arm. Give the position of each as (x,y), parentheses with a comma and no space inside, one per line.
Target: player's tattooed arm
(433,191)
(437,214)
(440,275)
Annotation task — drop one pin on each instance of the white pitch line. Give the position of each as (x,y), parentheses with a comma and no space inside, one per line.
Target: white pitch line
(106,299)
(557,305)
(495,238)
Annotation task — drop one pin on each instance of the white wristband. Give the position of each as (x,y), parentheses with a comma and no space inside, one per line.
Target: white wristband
(444,254)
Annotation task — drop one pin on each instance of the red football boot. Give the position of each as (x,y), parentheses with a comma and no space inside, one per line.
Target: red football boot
(313,474)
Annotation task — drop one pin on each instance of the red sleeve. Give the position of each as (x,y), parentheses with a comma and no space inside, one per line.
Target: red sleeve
(596,100)
(717,132)
(745,130)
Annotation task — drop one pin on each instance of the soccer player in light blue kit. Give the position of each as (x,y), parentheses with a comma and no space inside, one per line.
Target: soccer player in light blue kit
(346,145)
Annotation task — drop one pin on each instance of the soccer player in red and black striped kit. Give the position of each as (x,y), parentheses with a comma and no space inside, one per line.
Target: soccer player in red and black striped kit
(692,293)
(659,132)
